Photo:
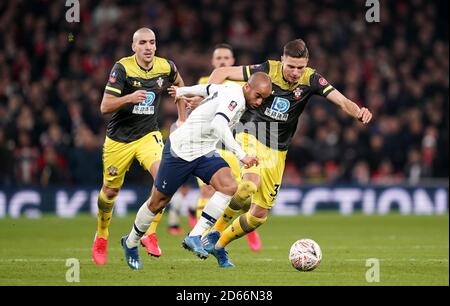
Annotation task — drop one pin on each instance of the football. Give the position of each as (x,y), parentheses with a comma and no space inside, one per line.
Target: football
(305,255)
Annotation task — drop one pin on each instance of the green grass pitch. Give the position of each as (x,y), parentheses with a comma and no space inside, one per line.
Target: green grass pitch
(412,250)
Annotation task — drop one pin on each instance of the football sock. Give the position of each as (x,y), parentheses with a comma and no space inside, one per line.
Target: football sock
(213,210)
(141,224)
(201,205)
(105,211)
(240,227)
(154,224)
(241,199)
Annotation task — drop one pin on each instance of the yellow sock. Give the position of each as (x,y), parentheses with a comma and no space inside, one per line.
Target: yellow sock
(154,224)
(240,227)
(240,201)
(225,219)
(200,205)
(105,211)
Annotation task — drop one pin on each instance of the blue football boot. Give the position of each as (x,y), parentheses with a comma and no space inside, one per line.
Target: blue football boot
(210,240)
(131,255)
(194,244)
(222,258)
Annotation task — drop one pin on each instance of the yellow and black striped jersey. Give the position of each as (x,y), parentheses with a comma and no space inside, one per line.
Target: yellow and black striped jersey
(285,104)
(134,121)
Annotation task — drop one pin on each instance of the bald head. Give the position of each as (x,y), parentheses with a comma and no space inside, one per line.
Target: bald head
(258,88)
(144,46)
(140,31)
(262,82)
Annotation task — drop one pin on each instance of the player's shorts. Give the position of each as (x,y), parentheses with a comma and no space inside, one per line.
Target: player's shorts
(232,161)
(270,169)
(118,157)
(174,171)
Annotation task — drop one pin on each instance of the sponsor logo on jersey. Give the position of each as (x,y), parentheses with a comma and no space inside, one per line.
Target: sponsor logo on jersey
(146,107)
(137,84)
(278,110)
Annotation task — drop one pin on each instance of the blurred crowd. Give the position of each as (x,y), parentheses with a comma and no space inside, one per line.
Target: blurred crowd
(53,73)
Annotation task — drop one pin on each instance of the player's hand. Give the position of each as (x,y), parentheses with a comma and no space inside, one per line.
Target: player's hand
(193,102)
(172,90)
(138,96)
(250,161)
(364,115)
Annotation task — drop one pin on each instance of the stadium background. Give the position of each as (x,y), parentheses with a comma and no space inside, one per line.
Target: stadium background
(53,73)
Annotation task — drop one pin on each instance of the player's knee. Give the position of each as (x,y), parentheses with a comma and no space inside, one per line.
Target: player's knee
(110,193)
(206,191)
(246,189)
(230,188)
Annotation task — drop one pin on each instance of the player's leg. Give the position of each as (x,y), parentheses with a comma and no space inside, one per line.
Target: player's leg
(241,201)
(117,159)
(253,239)
(248,184)
(243,225)
(206,192)
(225,185)
(246,188)
(172,173)
(149,155)
(215,171)
(144,217)
(273,162)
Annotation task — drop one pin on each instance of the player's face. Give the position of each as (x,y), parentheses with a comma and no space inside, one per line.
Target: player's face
(145,46)
(222,57)
(293,68)
(255,96)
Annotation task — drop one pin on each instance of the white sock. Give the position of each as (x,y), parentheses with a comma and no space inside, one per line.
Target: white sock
(212,211)
(142,222)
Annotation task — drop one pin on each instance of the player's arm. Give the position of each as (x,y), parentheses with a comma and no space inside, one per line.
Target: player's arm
(112,103)
(176,79)
(321,87)
(113,99)
(219,75)
(237,73)
(220,126)
(350,107)
(181,104)
(203,90)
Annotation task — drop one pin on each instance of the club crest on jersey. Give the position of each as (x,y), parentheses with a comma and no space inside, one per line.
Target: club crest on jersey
(298,93)
(232,105)
(278,110)
(112,170)
(160,82)
(113,77)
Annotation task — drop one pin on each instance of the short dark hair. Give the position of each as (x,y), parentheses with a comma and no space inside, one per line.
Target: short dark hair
(223,46)
(296,48)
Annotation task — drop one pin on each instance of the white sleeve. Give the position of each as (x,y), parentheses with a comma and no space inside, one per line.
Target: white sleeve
(203,90)
(229,106)
(221,128)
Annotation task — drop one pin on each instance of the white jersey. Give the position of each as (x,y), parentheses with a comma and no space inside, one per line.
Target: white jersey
(210,121)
